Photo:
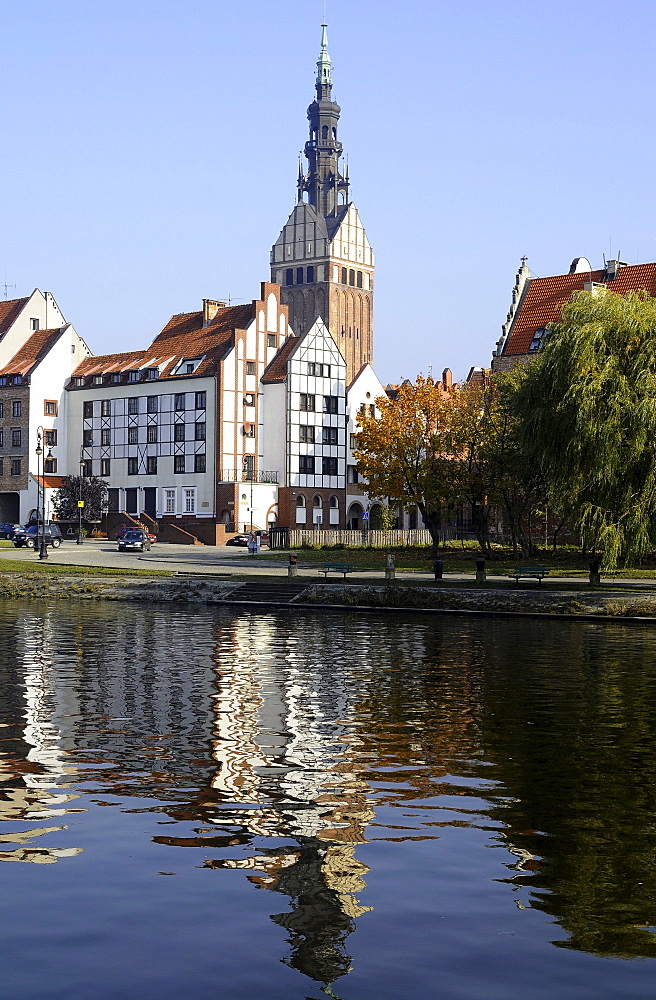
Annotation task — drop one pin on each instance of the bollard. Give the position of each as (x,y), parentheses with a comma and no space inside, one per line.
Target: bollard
(595,575)
(438,567)
(390,571)
(480,571)
(292,569)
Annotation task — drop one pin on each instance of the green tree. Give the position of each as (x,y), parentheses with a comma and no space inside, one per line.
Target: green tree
(91,489)
(588,411)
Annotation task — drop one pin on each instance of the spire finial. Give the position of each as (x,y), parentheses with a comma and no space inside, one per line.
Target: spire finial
(323,62)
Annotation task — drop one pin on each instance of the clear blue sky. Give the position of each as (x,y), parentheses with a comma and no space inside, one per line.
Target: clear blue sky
(150,154)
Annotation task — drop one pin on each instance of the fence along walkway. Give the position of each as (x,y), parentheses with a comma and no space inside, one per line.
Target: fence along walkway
(378,539)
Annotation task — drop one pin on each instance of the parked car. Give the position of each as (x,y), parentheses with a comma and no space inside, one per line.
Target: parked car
(241,540)
(120,533)
(31,536)
(8,530)
(134,540)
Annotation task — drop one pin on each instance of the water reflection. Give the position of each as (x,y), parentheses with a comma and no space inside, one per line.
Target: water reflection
(292,748)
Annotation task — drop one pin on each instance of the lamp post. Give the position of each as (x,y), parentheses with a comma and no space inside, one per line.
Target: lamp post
(80,503)
(41,485)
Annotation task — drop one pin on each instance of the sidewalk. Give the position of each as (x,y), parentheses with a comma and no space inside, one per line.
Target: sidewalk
(230,560)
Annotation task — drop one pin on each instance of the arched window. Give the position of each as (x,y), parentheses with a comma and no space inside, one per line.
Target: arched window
(335,135)
(300,501)
(359,282)
(324,132)
(300,509)
(351,277)
(344,275)
(317,502)
(334,502)
(289,276)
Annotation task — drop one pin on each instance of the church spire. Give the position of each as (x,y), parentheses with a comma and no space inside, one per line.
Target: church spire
(324,185)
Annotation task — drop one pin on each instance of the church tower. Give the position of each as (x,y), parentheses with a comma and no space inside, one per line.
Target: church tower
(322,258)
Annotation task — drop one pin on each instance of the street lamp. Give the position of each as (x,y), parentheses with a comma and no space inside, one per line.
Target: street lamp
(80,503)
(41,485)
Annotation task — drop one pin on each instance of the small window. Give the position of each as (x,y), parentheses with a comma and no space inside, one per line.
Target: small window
(201,400)
(359,279)
(97,380)
(189,501)
(87,439)
(2,437)
(2,467)
(87,409)
(310,275)
(329,435)
(299,275)
(199,431)
(15,437)
(49,408)
(87,467)
(133,404)
(105,467)
(289,276)
(15,467)
(330,404)
(306,464)
(179,401)
(344,275)
(134,376)
(116,378)
(50,438)
(152,373)
(133,435)
(199,463)
(105,408)
(353,441)
(306,402)
(179,432)
(151,404)
(250,367)
(50,466)
(169,501)
(271,340)
(151,434)
(3,379)
(151,465)
(351,277)
(329,466)
(179,463)
(133,467)
(306,434)
(300,501)
(34,323)
(189,368)
(249,399)
(16,408)
(2,409)
(334,502)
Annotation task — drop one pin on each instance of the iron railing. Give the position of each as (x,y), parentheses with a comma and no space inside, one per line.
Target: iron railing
(246,476)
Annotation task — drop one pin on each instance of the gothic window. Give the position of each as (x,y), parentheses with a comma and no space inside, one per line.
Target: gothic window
(310,275)
(344,276)
(359,281)
(324,132)
(299,275)
(289,276)
(351,277)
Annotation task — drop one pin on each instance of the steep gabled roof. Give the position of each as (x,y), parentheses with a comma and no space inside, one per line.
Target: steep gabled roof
(9,311)
(32,352)
(545,298)
(276,370)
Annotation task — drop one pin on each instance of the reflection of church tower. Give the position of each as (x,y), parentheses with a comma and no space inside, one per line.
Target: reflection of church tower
(322,257)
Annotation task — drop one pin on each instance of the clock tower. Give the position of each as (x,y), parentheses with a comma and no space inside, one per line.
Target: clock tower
(322,258)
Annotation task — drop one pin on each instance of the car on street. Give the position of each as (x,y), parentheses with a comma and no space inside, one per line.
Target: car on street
(31,536)
(120,533)
(134,540)
(8,530)
(241,540)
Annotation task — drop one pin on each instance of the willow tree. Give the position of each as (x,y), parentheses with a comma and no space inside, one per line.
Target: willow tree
(406,454)
(588,410)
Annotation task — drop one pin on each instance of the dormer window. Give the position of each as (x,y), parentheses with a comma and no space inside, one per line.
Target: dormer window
(187,366)
(152,373)
(97,380)
(116,378)
(79,381)
(134,375)
(539,337)
(3,379)
(34,323)
(17,379)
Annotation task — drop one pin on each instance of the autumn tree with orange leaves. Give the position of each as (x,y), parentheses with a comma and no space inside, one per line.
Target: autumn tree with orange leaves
(407,454)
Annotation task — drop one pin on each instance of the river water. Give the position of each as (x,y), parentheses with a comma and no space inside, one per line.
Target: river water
(212,805)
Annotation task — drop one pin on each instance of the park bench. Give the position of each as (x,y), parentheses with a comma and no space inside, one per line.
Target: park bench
(530,573)
(342,568)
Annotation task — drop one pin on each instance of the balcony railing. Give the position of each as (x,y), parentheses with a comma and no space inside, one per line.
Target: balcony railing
(247,476)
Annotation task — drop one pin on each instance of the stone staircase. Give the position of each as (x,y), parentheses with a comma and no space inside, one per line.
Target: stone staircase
(267,592)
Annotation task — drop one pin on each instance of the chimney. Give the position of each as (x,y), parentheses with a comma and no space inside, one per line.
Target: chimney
(210,310)
(447,378)
(612,268)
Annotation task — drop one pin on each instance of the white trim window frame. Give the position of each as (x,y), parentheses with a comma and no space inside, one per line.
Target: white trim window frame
(188,499)
(169,500)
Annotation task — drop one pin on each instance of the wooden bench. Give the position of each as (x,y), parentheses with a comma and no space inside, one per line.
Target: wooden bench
(530,573)
(342,568)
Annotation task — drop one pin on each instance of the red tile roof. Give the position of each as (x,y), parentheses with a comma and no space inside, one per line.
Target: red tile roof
(51,482)
(276,370)
(545,298)
(32,352)
(9,310)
